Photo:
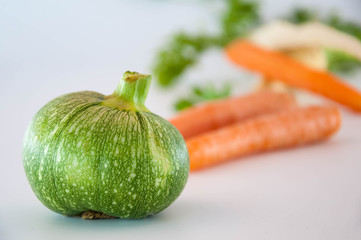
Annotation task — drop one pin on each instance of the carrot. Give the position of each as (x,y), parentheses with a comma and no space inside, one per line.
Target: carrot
(216,114)
(267,132)
(279,66)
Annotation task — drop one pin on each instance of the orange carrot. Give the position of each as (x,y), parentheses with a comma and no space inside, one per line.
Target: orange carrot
(267,132)
(281,67)
(216,114)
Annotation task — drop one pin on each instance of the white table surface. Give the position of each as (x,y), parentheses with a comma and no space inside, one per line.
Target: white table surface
(48,48)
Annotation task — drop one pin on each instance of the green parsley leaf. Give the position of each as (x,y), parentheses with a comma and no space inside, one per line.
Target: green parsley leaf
(203,93)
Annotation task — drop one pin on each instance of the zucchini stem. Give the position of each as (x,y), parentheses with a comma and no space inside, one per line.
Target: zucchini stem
(131,92)
(133,87)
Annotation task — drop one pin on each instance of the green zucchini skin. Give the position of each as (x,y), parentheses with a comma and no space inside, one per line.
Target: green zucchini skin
(82,155)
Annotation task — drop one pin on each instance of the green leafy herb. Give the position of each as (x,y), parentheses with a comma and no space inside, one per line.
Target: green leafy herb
(179,54)
(201,94)
(338,62)
(238,19)
(184,50)
(344,26)
(302,15)
(183,103)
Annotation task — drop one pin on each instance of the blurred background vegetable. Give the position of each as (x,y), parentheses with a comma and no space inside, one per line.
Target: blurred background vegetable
(217,114)
(338,62)
(272,131)
(184,49)
(203,93)
(341,62)
(272,64)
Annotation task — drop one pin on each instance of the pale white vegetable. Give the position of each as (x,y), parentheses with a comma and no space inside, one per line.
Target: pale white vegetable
(281,35)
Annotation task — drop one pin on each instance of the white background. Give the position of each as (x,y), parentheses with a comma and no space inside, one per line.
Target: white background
(48,48)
